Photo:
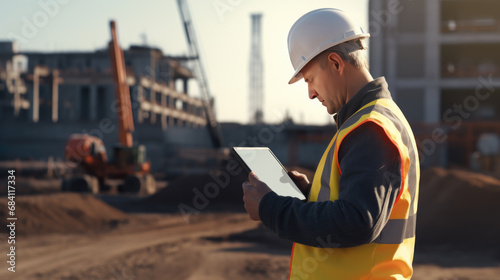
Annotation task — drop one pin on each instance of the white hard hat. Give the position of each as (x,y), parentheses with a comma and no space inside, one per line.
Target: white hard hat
(317,31)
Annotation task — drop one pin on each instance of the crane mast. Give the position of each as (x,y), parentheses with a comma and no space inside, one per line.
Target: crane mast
(213,126)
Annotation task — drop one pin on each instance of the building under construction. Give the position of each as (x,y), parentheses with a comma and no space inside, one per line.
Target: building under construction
(32,82)
(45,97)
(442,64)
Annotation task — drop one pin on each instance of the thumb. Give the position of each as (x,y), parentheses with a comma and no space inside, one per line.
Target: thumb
(252,177)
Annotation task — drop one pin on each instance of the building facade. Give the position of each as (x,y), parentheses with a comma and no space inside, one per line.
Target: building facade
(441,60)
(45,97)
(79,87)
(437,53)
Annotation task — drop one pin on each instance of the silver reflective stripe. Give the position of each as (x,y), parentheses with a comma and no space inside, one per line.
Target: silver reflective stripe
(407,141)
(324,192)
(397,230)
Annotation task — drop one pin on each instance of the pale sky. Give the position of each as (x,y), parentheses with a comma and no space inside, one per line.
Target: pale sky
(223,29)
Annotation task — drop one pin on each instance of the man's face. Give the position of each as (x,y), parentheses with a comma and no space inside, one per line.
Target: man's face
(324,83)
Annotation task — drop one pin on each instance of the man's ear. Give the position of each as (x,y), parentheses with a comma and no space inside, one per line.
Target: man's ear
(335,59)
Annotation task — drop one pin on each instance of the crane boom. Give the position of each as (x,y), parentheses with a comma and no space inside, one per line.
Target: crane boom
(212,124)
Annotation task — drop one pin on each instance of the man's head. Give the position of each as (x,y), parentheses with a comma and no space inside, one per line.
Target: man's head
(327,49)
(330,74)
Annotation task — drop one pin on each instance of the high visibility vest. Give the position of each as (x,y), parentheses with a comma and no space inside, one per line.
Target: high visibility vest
(390,255)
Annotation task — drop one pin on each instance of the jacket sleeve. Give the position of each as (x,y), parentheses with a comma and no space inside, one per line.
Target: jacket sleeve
(366,196)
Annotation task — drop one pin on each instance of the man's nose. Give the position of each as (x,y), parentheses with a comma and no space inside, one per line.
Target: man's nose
(312,93)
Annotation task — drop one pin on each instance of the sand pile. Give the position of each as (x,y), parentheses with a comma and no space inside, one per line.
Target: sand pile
(459,208)
(61,213)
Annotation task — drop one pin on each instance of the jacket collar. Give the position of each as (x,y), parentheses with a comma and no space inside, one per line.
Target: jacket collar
(373,90)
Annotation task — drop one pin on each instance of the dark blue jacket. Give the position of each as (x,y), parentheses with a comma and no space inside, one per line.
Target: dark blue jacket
(359,214)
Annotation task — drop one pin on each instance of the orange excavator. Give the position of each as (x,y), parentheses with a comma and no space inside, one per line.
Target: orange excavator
(88,153)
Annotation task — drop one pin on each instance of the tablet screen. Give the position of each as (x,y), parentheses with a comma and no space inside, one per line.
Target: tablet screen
(269,169)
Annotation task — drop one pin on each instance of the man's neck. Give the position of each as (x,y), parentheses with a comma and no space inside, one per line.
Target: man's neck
(358,79)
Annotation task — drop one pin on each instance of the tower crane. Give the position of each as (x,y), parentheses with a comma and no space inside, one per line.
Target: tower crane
(213,126)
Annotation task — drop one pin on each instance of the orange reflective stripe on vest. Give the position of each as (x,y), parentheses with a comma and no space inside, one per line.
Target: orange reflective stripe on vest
(390,256)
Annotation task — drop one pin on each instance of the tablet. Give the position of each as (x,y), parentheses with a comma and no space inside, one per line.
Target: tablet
(268,168)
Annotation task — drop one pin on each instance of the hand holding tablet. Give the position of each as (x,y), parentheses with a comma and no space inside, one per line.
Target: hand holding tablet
(268,169)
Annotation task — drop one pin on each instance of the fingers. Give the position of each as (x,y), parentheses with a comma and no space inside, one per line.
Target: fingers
(257,188)
(247,186)
(250,202)
(297,175)
(249,189)
(293,174)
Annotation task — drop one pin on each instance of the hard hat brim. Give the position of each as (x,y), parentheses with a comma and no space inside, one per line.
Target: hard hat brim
(297,75)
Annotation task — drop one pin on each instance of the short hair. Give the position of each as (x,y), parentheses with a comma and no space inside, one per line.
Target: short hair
(357,58)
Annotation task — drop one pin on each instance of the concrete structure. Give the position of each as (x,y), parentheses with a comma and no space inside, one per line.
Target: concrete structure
(78,86)
(441,60)
(435,54)
(12,67)
(46,97)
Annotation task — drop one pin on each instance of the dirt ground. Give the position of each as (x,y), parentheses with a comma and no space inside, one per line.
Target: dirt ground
(152,246)
(212,246)
(66,236)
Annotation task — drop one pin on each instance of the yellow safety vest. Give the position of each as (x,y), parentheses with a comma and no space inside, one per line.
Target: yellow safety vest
(390,256)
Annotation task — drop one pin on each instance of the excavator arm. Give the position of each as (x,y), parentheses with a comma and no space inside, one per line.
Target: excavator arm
(123,104)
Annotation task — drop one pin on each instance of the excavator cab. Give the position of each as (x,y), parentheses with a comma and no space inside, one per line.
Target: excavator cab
(89,155)
(130,163)
(129,155)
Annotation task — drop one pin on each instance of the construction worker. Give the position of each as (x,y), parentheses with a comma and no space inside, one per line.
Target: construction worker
(359,218)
